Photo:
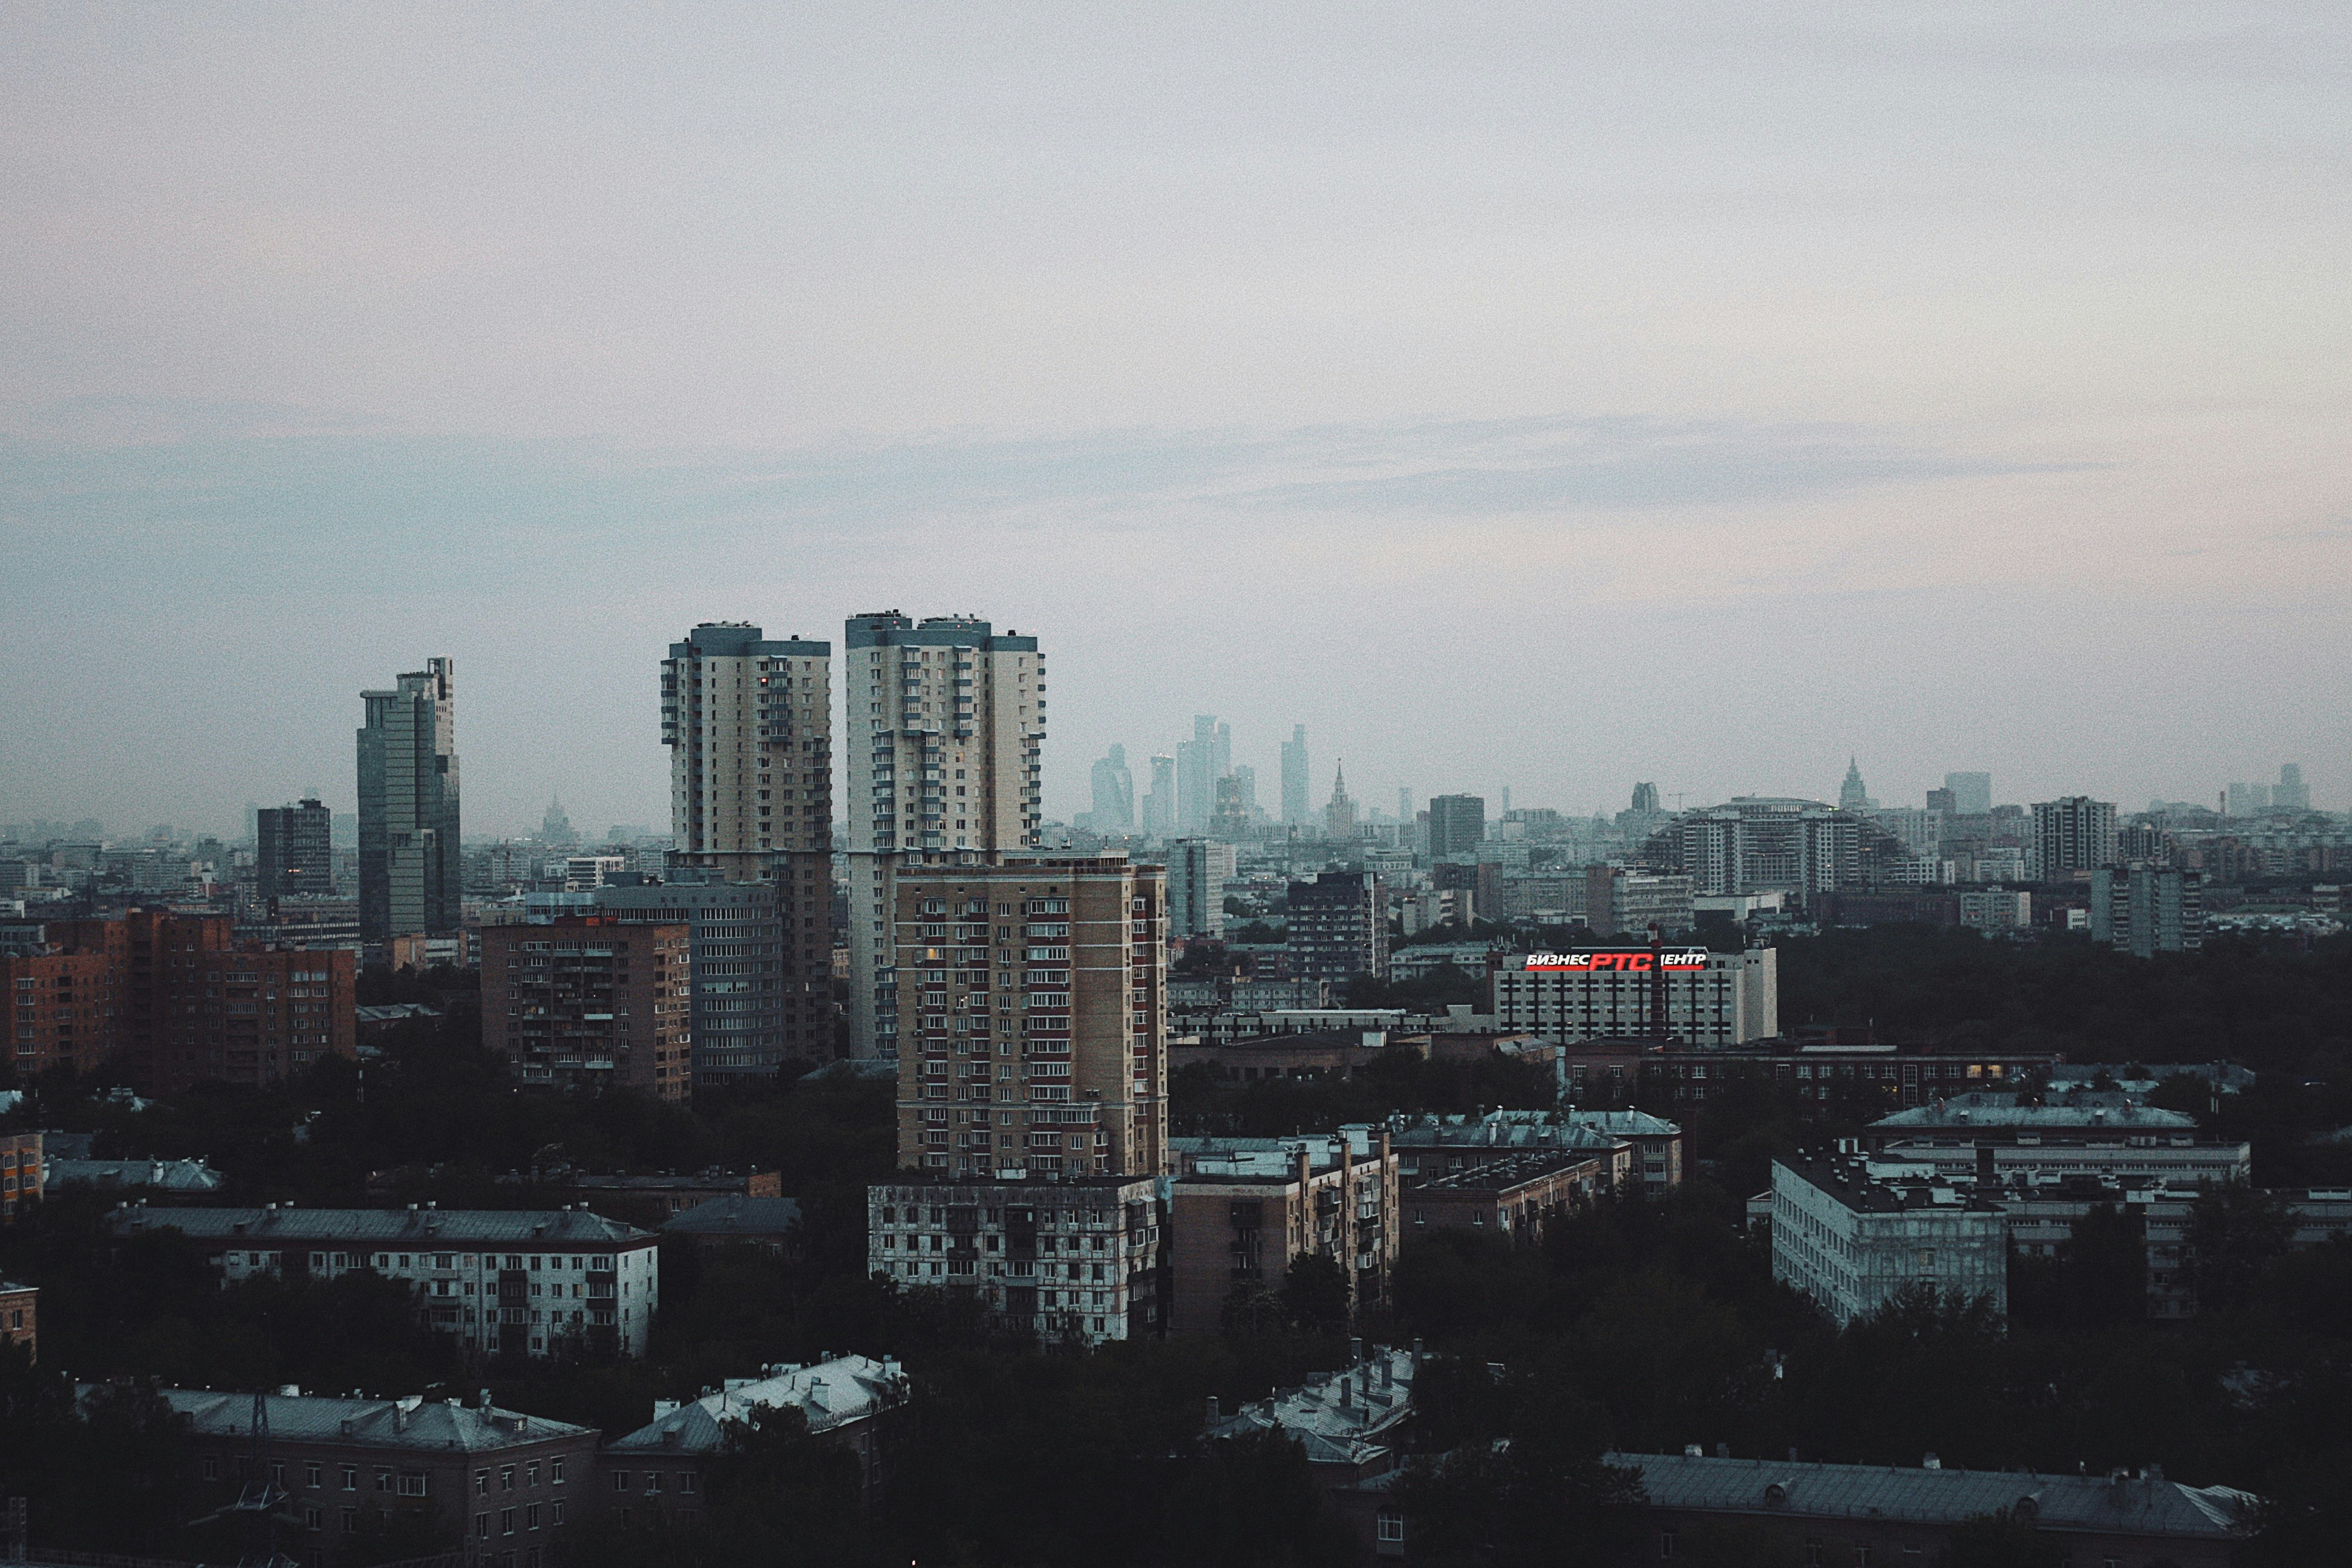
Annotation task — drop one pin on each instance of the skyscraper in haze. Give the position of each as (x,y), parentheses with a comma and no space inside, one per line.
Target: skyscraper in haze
(749,724)
(2290,794)
(1971,794)
(1298,806)
(1852,795)
(1201,762)
(1457,825)
(1114,793)
(1157,813)
(293,851)
(2072,834)
(410,876)
(947,729)
(1339,815)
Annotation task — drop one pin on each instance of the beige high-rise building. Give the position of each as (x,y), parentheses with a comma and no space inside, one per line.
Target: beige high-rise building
(1033,1000)
(749,722)
(945,724)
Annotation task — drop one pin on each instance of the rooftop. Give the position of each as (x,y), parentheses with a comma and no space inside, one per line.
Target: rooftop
(2084,1107)
(1339,1416)
(412,1226)
(830,1394)
(2143,1505)
(1852,1181)
(165,1176)
(1510,1171)
(736,1215)
(413,1423)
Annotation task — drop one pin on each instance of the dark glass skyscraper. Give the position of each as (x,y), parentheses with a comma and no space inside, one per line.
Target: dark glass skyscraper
(410,875)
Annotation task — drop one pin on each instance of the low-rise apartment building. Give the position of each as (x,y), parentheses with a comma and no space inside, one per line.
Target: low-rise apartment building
(514,1488)
(1853,1242)
(659,1474)
(1513,1197)
(1429,1146)
(519,1283)
(1240,1212)
(20,1316)
(23,1172)
(1083,1258)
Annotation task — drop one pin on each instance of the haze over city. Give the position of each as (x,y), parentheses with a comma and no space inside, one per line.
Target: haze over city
(1536,398)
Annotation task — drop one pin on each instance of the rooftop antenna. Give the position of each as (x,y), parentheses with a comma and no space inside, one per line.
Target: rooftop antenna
(261,1505)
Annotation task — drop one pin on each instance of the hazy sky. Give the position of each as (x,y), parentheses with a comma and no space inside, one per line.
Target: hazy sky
(1552,395)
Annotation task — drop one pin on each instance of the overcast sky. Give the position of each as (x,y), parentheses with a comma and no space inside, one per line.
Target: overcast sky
(1550,396)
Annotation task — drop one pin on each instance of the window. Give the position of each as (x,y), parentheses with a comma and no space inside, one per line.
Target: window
(530,1516)
(413,1483)
(555,1471)
(1665,1543)
(506,1477)
(382,1479)
(685,1483)
(314,1518)
(555,1513)
(1391,1525)
(482,1526)
(506,1522)
(313,1474)
(351,1478)
(212,1468)
(619,1480)
(481,1483)
(530,1474)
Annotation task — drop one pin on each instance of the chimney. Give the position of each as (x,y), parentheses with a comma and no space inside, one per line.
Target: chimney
(1212,1410)
(1355,1351)
(1693,1451)
(1931,1463)
(1723,1450)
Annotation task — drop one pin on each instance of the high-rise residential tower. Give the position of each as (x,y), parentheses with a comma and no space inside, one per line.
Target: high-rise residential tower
(1114,793)
(1297,807)
(293,850)
(1034,1019)
(410,876)
(946,730)
(749,724)
(2074,836)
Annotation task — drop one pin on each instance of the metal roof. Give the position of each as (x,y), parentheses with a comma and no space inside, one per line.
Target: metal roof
(830,1394)
(2084,1108)
(169,1176)
(736,1215)
(412,1425)
(1338,1417)
(422,1228)
(2143,1505)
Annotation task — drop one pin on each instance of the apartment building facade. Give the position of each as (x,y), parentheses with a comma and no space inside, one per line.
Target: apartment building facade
(749,723)
(1082,1259)
(1033,997)
(514,1282)
(944,744)
(1338,927)
(1853,1242)
(591,1002)
(185,1004)
(293,850)
(60,1011)
(512,1488)
(1242,1210)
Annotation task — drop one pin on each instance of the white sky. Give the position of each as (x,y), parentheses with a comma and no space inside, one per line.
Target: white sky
(1552,395)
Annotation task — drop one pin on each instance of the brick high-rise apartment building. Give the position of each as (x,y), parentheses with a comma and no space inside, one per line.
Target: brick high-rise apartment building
(945,723)
(749,722)
(590,1001)
(188,1004)
(1035,1007)
(58,1006)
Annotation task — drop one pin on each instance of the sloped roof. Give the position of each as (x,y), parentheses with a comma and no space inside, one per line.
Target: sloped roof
(2143,1505)
(2084,1108)
(830,1394)
(423,1228)
(169,1175)
(410,1424)
(736,1215)
(1339,1416)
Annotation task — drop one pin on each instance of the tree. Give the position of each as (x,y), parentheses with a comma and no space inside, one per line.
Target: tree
(1315,1293)
(2234,1232)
